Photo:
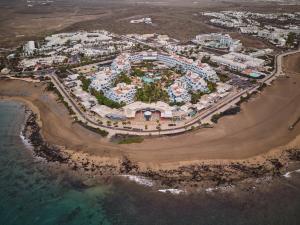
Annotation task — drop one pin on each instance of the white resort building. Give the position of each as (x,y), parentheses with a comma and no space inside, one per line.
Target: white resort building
(195,82)
(196,74)
(102,80)
(178,92)
(121,64)
(122,93)
(238,61)
(29,48)
(217,40)
(173,60)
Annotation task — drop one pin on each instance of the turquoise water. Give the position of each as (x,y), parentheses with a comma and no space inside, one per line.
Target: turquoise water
(31,193)
(254,75)
(147,80)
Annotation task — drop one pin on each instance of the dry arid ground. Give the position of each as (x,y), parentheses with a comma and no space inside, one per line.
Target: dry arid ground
(260,127)
(179,19)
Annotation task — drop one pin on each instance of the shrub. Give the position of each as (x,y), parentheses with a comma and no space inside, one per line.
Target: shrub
(131,139)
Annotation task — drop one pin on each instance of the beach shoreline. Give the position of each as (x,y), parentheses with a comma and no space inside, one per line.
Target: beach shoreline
(241,148)
(204,176)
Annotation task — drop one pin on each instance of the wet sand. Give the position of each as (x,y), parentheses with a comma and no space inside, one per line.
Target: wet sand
(261,126)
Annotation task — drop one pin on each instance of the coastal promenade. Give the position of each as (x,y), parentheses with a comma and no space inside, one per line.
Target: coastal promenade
(197,122)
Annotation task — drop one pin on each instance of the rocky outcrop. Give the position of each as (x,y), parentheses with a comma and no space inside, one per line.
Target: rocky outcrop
(41,148)
(185,176)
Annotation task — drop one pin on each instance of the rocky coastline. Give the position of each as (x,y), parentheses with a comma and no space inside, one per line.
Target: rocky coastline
(198,176)
(41,148)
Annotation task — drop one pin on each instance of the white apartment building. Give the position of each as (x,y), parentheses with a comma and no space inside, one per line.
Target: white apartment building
(178,92)
(232,65)
(45,61)
(122,93)
(77,37)
(146,20)
(236,46)
(249,61)
(29,48)
(102,81)
(261,52)
(205,71)
(224,39)
(238,61)
(202,69)
(249,30)
(121,63)
(195,82)
(217,40)
(264,33)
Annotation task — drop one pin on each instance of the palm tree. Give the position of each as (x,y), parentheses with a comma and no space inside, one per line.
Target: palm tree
(159,129)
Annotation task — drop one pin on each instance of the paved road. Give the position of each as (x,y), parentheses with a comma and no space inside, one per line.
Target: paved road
(141,42)
(204,116)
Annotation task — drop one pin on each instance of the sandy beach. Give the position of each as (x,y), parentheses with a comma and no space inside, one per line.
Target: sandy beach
(259,133)
(261,126)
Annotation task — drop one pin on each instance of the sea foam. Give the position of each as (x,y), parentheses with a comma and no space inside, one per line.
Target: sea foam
(140,180)
(25,141)
(288,174)
(172,191)
(220,188)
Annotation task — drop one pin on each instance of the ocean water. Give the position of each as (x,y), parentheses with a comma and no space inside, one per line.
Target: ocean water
(31,193)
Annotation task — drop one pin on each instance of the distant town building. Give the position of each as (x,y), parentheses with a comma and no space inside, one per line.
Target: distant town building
(238,61)
(219,41)
(29,48)
(146,20)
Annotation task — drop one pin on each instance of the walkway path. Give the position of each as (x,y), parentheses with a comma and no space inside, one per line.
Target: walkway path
(204,116)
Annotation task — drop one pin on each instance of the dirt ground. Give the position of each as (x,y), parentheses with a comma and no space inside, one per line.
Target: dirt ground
(179,19)
(250,41)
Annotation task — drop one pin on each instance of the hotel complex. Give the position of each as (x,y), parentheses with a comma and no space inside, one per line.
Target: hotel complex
(238,62)
(195,82)
(113,78)
(195,75)
(122,93)
(218,41)
(178,92)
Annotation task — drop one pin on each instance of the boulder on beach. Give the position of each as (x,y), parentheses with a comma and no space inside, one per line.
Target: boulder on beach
(5,71)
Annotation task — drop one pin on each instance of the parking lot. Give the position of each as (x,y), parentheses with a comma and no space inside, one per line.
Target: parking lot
(240,82)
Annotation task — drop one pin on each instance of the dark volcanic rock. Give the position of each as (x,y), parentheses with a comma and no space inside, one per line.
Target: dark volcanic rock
(41,148)
(127,166)
(294,154)
(193,175)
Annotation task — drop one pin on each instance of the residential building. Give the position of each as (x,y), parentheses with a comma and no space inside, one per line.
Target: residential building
(121,63)
(122,93)
(178,92)
(29,48)
(229,63)
(195,82)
